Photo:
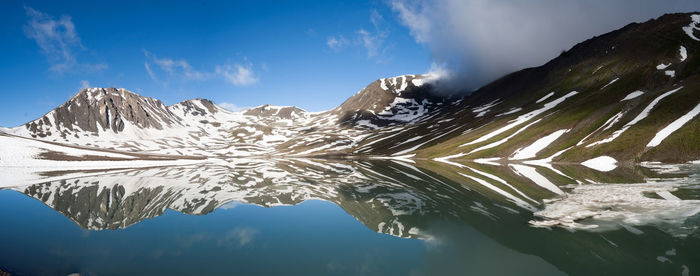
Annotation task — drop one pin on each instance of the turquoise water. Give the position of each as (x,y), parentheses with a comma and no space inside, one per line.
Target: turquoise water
(354,218)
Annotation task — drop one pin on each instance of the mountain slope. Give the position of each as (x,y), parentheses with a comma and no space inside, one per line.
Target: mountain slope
(610,95)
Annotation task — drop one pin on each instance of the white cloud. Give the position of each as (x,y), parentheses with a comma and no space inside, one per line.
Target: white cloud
(371,40)
(311,32)
(336,43)
(238,74)
(482,40)
(231,107)
(438,71)
(178,68)
(84,84)
(415,18)
(58,41)
(150,72)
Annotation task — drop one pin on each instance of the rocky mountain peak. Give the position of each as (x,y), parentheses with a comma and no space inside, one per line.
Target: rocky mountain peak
(196,107)
(283,112)
(92,111)
(389,101)
(380,93)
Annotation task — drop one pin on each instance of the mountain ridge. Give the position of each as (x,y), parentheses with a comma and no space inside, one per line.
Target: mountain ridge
(601,80)
(608,96)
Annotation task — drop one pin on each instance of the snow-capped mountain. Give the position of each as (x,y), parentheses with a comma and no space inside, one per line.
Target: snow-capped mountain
(122,120)
(94,111)
(627,96)
(391,101)
(282,112)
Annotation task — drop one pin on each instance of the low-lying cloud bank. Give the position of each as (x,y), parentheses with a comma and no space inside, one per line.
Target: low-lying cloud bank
(481,40)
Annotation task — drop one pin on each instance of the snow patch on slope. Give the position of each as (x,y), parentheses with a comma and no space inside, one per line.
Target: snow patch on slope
(662,66)
(611,82)
(545,97)
(523,118)
(639,117)
(675,125)
(632,95)
(499,142)
(695,21)
(405,110)
(485,108)
(608,124)
(683,52)
(511,111)
(532,150)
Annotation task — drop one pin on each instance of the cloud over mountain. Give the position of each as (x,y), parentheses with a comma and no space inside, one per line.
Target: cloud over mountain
(483,40)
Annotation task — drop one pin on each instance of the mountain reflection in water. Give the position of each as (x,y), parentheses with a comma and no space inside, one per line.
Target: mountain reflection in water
(471,217)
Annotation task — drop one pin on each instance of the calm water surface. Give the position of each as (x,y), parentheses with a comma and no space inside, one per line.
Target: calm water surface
(315,217)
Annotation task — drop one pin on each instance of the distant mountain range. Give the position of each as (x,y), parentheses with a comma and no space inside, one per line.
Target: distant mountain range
(630,95)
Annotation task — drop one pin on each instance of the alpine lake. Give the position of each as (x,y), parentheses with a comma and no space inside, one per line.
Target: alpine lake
(353,217)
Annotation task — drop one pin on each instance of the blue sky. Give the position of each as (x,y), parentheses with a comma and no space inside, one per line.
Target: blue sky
(312,54)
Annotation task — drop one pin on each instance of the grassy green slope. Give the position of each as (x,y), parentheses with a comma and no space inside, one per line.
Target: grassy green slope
(629,56)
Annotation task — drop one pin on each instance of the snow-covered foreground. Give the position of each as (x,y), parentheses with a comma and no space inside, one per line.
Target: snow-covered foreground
(24,160)
(24,152)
